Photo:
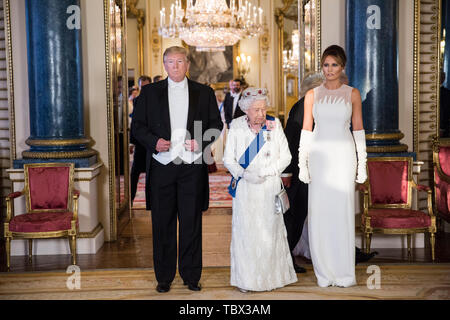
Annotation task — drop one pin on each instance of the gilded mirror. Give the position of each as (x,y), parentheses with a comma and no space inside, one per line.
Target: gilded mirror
(299,46)
(120,121)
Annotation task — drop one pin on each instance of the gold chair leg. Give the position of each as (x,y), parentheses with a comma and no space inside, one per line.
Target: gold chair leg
(433,242)
(73,249)
(409,245)
(368,240)
(30,250)
(8,253)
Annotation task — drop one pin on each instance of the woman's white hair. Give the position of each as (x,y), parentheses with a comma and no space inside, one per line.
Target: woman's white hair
(311,81)
(252,94)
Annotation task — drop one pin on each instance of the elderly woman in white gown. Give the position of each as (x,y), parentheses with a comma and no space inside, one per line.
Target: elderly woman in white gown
(260,257)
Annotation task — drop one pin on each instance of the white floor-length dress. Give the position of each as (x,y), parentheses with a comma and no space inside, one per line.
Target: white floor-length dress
(331,204)
(260,257)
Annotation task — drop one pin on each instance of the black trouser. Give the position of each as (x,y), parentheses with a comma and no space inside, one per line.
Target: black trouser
(176,191)
(139,161)
(295,217)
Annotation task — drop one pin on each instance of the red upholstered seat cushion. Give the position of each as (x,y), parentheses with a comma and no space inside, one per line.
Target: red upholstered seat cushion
(41,222)
(398,218)
(388,182)
(48,187)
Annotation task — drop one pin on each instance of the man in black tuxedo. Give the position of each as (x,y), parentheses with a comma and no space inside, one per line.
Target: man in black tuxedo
(139,156)
(230,104)
(167,115)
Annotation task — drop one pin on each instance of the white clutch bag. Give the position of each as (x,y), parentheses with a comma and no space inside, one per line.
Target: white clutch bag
(281,201)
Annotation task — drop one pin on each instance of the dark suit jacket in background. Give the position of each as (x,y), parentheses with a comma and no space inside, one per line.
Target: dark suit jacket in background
(151,121)
(228,109)
(139,162)
(292,131)
(295,217)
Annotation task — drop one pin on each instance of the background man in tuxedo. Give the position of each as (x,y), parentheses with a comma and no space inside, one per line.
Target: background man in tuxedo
(139,156)
(178,185)
(230,104)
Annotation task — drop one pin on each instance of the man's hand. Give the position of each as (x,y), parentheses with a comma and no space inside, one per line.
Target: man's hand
(191,145)
(162,145)
(286,181)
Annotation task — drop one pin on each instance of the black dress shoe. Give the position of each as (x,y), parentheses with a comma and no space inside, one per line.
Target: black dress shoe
(193,286)
(364,257)
(299,269)
(163,287)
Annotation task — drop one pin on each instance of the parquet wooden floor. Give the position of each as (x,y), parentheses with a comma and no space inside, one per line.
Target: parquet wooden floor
(134,249)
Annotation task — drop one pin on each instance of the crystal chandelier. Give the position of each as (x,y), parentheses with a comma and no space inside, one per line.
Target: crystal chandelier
(210,25)
(291,58)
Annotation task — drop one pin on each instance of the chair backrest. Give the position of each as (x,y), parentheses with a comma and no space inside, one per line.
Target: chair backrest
(444,159)
(49,186)
(441,165)
(390,182)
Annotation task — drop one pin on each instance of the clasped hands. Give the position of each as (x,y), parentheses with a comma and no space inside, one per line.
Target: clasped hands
(164,145)
(258,176)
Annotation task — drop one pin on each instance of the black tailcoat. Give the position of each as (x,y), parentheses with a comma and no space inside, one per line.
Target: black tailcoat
(228,109)
(151,121)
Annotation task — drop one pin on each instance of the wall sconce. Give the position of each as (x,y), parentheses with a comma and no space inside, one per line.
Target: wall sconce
(243,65)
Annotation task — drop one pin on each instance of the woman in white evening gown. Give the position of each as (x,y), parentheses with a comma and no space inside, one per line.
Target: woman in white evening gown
(331,158)
(260,257)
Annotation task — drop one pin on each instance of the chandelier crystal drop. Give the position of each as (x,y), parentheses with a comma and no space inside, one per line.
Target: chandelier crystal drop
(291,58)
(210,25)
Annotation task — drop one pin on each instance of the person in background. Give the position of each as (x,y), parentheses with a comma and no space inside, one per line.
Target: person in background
(230,104)
(132,94)
(218,146)
(157,78)
(139,152)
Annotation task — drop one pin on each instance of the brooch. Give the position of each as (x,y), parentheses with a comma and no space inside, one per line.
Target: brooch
(266,135)
(270,124)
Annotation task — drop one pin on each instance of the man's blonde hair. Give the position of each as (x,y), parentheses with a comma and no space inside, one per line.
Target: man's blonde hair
(310,81)
(176,49)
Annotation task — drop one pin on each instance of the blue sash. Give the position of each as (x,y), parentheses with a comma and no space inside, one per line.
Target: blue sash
(248,156)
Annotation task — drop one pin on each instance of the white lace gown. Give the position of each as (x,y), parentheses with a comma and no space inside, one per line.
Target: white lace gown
(331,204)
(260,257)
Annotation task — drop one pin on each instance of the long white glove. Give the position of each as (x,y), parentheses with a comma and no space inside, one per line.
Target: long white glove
(252,177)
(360,142)
(303,156)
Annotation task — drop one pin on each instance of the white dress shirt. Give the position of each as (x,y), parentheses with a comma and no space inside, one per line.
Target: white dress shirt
(178,111)
(235,101)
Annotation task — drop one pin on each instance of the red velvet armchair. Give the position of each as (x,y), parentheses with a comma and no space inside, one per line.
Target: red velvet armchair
(441,164)
(51,207)
(387,202)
